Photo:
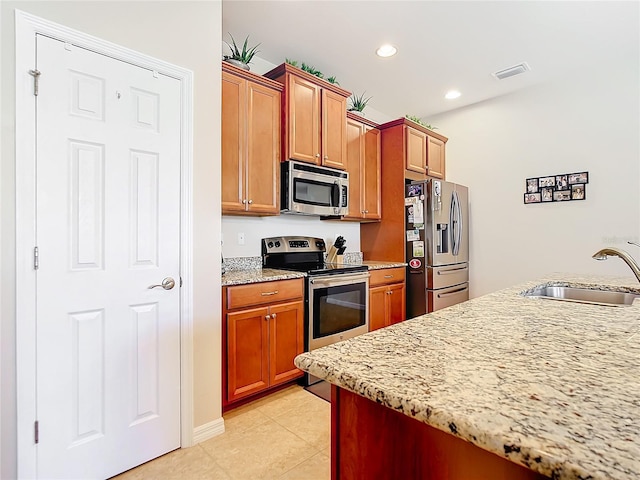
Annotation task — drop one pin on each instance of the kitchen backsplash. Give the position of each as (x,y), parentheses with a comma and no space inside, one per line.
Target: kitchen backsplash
(252,263)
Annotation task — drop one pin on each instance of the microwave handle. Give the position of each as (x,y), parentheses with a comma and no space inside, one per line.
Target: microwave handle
(335,194)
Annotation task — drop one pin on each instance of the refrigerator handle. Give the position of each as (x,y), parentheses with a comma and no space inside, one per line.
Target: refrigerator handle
(455,219)
(460,225)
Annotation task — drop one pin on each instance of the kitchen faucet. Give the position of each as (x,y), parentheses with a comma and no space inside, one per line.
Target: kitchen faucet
(615,252)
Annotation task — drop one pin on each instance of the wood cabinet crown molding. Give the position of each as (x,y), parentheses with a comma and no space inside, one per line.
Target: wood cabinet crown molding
(254,77)
(286,68)
(412,124)
(361,119)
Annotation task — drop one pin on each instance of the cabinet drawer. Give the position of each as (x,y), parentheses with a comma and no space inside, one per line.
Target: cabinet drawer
(264,293)
(386,275)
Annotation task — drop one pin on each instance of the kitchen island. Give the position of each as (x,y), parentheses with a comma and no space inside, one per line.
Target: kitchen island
(548,385)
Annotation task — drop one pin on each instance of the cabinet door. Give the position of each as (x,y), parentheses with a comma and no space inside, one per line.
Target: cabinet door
(263,149)
(416,145)
(371,174)
(435,157)
(247,352)
(303,127)
(355,146)
(233,142)
(334,130)
(286,335)
(396,303)
(377,314)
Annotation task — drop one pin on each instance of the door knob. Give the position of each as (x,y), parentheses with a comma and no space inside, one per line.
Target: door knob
(168,283)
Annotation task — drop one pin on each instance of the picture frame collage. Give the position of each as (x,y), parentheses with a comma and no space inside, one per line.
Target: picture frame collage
(556,188)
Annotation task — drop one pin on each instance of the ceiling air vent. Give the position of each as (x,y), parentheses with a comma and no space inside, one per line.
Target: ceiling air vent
(511,71)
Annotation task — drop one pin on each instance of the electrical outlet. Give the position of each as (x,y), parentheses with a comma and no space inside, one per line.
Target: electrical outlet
(241,238)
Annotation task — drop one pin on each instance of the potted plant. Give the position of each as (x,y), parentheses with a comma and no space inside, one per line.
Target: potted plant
(240,58)
(420,122)
(358,103)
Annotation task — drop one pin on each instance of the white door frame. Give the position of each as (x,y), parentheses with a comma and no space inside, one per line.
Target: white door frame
(27,26)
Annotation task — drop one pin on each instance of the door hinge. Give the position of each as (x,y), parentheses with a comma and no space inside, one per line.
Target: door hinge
(180,282)
(36,431)
(36,75)
(36,258)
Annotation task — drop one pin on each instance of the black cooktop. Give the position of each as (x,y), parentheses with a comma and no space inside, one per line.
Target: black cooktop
(302,254)
(313,269)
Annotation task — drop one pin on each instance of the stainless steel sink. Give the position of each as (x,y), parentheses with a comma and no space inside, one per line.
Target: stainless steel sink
(583,295)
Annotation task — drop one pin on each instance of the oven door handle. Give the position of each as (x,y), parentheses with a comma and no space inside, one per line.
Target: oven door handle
(339,280)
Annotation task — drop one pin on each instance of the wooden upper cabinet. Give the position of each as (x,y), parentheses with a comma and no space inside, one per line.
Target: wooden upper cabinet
(303,118)
(423,150)
(435,156)
(334,133)
(416,157)
(314,117)
(363,165)
(250,143)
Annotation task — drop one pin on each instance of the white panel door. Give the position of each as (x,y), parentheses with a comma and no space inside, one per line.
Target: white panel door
(108,220)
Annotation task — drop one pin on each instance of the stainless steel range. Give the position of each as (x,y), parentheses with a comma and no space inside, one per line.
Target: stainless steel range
(337,296)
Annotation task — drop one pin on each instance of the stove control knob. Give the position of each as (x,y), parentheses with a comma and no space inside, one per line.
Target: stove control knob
(270,244)
(277,243)
(319,244)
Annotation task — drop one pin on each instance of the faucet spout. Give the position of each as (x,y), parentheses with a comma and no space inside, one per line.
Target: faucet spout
(615,252)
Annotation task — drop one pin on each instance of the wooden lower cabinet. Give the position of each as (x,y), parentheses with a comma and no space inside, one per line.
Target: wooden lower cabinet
(261,340)
(386,298)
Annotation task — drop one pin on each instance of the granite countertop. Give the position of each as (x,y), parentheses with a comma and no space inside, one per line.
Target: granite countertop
(551,385)
(256,275)
(373,265)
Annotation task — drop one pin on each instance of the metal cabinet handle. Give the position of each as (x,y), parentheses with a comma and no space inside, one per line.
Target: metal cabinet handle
(326,157)
(244,200)
(266,294)
(250,202)
(168,283)
(267,317)
(273,315)
(388,276)
(317,155)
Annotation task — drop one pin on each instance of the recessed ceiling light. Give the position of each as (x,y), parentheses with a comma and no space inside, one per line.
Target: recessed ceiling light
(451,94)
(386,51)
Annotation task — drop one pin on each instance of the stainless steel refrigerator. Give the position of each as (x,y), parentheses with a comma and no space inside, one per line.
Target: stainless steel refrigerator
(437,234)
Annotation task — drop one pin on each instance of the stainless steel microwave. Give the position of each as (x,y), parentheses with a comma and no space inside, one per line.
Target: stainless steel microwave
(313,190)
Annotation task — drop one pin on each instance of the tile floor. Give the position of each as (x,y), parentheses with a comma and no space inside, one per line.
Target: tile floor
(286,436)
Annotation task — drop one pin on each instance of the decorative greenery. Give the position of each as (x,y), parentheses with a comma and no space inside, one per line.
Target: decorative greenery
(417,120)
(358,102)
(311,70)
(245,55)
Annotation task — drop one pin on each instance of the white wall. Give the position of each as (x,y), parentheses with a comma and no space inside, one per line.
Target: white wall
(589,122)
(184,33)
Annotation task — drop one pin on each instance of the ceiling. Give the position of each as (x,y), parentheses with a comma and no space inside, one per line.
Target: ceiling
(442,45)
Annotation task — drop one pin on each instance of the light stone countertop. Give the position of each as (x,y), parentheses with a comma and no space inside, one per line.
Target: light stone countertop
(551,385)
(256,275)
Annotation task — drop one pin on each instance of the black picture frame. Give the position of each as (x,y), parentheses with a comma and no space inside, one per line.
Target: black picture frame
(578,191)
(580,177)
(532,197)
(562,187)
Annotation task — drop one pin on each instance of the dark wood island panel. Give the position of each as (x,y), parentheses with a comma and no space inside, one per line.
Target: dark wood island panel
(371,441)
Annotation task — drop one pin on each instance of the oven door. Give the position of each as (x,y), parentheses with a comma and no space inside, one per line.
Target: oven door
(338,308)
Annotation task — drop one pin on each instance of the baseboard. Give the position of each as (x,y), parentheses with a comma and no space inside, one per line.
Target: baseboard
(208,430)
